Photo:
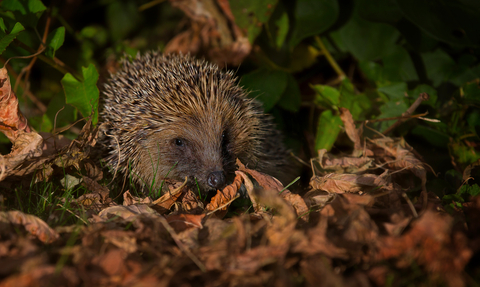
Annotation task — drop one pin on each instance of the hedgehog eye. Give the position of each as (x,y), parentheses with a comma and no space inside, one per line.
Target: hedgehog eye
(179,142)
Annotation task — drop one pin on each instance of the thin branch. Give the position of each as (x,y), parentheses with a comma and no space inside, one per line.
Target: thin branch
(55,63)
(180,244)
(422,97)
(330,59)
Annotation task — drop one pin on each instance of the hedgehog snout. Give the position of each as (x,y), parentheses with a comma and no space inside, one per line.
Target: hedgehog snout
(216,179)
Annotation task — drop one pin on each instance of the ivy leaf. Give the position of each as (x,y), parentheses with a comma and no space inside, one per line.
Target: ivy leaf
(6,39)
(83,95)
(453,22)
(54,41)
(265,85)
(378,39)
(313,17)
(250,15)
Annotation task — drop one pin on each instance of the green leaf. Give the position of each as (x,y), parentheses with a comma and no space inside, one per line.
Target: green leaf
(291,98)
(328,128)
(83,95)
(439,66)
(366,40)
(6,39)
(25,11)
(453,22)
(358,104)
(250,15)
(265,85)
(469,190)
(326,96)
(282,24)
(396,104)
(398,66)
(464,154)
(313,17)
(54,41)
(394,91)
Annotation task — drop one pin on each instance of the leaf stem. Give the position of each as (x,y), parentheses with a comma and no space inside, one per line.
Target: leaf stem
(55,63)
(330,59)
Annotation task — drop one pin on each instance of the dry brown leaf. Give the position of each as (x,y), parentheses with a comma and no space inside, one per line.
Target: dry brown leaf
(349,183)
(326,163)
(317,242)
(128,213)
(268,182)
(95,187)
(347,215)
(129,199)
(34,225)
(222,199)
(12,122)
(352,133)
(399,156)
(180,222)
(212,31)
(432,244)
(165,202)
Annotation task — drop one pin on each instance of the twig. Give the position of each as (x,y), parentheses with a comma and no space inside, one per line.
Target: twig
(410,204)
(330,59)
(180,244)
(149,5)
(222,206)
(29,94)
(396,118)
(55,63)
(422,97)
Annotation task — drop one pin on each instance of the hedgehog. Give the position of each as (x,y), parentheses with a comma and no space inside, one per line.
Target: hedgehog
(174,116)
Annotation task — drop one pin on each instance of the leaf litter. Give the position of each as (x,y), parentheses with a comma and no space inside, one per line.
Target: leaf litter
(354,227)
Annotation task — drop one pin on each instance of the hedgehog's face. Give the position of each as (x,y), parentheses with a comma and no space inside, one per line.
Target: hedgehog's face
(203,153)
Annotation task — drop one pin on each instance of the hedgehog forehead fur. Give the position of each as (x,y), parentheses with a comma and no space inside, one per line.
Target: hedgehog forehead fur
(156,100)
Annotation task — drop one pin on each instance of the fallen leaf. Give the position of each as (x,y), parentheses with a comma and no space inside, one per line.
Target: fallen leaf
(220,202)
(34,225)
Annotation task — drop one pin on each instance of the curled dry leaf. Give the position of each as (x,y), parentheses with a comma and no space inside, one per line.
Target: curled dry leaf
(268,182)
(165,202)
(12,122)
(326,163)
(34,225)
(223,198)
(213,30)
(129,199)
(191,203)
(180,222)
(400,156)
(128,213)
(352,133)
(348,183)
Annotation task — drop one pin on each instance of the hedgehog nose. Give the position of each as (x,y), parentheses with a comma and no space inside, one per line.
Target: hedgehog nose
(216,179)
